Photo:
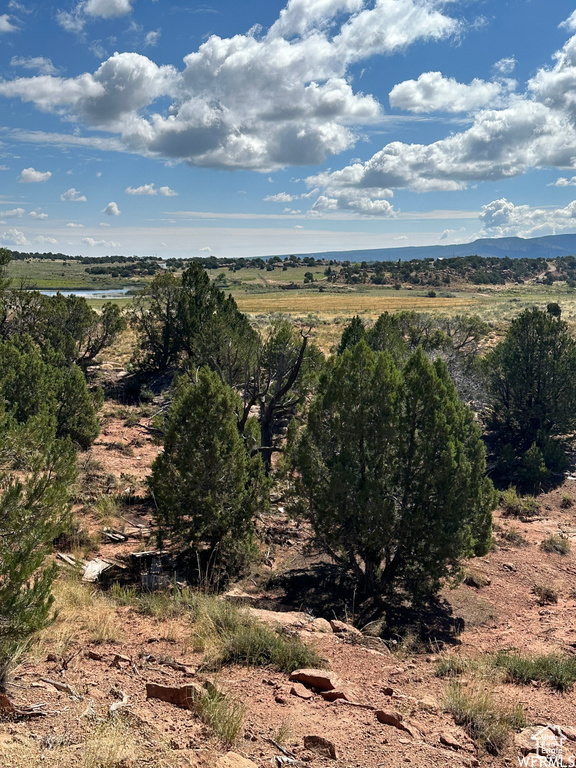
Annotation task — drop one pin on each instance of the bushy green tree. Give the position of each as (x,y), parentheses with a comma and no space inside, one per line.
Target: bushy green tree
(390,473)
(32,383)
(36,470)
(284,371)
(188,319)
(67,323)
(532,383)
(207,483)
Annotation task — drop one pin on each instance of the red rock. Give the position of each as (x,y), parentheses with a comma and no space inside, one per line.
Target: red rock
(336,693)
(316,678)
(449,740)
(181,697)
(390,717)
(340,627)
(301,691)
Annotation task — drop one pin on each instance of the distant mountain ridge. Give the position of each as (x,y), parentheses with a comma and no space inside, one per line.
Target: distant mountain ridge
(547,247)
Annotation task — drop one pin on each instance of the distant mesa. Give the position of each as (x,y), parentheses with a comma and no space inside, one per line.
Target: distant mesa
(547,247)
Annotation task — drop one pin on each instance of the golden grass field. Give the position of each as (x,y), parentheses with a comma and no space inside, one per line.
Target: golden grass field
(371,303)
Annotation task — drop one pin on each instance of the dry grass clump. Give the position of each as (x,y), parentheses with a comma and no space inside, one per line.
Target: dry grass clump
(546,594)
(558,544)
(515,505)
(229,635)
(486,721)
(557,671)
(223,715)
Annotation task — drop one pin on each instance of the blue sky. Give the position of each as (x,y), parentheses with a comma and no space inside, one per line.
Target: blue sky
(188,128)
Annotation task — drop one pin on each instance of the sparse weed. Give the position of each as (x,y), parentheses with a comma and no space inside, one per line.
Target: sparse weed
(282,734)
(486,722)
(518,506)
(554,669)
(566,502)
(546,594)
(453,666)
(222,715)
(513,537)
(106,509)
(228,635)
(559,544)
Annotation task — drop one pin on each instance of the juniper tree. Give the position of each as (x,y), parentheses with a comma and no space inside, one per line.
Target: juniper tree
(532,383)
(389,471)
(208,484)
(36,470)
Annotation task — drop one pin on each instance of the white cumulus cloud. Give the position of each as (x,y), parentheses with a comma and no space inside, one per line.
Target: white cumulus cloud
(31,176)
(14,237)
(43,65)
(45,240)
(37,216)
(14,213)
(5,24)
(111,209)
(256,101)
(150,189)
(281,197)
(73,195)
(90,241)
(501,217)
(74,225)
(434,93)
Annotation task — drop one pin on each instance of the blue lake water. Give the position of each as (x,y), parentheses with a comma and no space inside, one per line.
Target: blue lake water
(110,293)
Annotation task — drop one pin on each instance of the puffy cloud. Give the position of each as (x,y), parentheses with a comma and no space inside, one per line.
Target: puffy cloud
(31,176)
(251,101)
(73,195)
(43,240)
(43,65)
(90,241)
(111,210)
(14,237)
(564,182)
(107,9)
(150,189)
(536,129)
(501,217)
(37,216)
(152,37)
(75,20)
(5,24)
(15,213)
(505,66)
(434,93)
(74,225)
(281,197)
(368,202)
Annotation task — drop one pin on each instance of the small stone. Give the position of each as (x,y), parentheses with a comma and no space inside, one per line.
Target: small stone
(320,745)
(336,693)
(509,567)
(316,678)
(428,704)
(321,625)
(387,691)
(449,740)
(301,691)
(280,699)
(340,627)
(390,717)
